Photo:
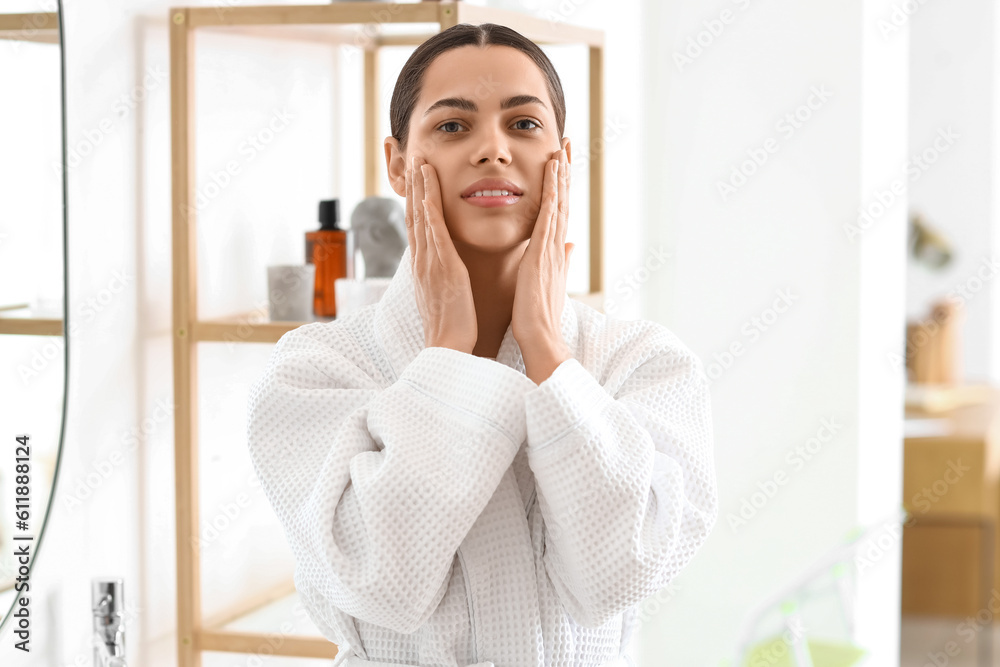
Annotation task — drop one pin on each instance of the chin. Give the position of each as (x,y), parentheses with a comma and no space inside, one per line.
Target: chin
(491,244)
(499,234)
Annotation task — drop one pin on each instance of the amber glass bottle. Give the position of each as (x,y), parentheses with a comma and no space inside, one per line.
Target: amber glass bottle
(327,249)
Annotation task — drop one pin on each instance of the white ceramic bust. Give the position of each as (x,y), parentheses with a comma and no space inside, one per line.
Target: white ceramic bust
(379,228)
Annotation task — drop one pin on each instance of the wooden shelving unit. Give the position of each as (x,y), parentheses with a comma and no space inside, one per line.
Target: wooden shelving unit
(19,319)
(31,27)
(325,23)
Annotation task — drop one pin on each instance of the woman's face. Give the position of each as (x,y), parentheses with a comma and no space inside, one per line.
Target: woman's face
(484,113)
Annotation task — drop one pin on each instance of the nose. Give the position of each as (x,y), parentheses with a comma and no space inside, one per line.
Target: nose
(493,147)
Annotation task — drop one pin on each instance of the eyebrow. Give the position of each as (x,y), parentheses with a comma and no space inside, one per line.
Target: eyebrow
(468,105)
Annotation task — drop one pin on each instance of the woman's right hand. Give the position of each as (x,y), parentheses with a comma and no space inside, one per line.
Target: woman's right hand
(441,279)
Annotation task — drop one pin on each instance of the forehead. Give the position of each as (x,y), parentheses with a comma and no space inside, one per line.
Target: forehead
(484,75)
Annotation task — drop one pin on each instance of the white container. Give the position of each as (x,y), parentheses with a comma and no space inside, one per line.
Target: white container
(290,289)
(352,294)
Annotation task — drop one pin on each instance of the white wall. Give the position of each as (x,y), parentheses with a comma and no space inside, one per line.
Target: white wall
(953,58)
(781,367)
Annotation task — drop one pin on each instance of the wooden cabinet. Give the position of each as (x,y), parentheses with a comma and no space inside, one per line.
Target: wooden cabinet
(950,490)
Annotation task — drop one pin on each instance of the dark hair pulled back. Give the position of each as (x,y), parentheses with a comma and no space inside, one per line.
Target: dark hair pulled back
(410,80)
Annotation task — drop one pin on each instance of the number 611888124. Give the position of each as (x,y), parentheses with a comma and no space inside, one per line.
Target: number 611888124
(22,479)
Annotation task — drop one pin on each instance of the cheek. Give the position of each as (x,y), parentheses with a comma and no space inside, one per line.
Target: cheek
(535,200)
(450,190)
(538,184)
(446,184)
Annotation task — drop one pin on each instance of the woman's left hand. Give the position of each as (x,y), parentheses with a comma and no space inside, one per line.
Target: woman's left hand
(536,319)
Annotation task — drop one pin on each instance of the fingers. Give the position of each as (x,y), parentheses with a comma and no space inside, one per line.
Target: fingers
(432,206)
(409,215)
(542,233)
(432,188)
(432,210)
(439,236)
(418,203)
(420,238)
(562,221)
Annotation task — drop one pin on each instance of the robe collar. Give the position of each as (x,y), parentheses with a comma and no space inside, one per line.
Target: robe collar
(399,329)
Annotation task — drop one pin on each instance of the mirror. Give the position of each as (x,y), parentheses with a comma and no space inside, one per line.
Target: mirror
(33,311)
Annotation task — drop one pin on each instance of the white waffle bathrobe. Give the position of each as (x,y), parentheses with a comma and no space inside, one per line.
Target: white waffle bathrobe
(443,509)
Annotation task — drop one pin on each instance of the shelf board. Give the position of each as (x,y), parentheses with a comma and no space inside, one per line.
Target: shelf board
(252,642)
(328,35)
(332,14)
(937,398)
(240,629)
(22,320)
(249,605)
(537,29)
(251,328)
(242,328)
(31,27)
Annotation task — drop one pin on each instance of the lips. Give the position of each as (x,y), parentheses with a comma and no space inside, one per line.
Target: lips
(492,184)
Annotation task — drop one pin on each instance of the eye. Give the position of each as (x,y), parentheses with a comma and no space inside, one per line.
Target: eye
(533,126)
(450,122)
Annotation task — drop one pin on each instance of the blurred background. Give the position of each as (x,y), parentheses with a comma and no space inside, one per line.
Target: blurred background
(806,193)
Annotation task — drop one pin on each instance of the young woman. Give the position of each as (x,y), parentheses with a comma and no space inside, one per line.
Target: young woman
(478,470)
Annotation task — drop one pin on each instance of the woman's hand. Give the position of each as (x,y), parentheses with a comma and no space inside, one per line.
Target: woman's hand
(441,280)
(536,320)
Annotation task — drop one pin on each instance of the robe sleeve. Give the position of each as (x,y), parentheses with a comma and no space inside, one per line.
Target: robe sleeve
(625,483)
(376,487)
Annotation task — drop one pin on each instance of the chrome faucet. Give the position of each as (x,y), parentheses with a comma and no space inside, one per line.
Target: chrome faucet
(108,607)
